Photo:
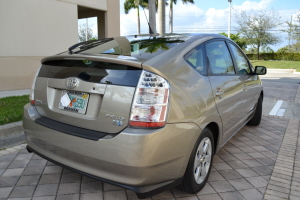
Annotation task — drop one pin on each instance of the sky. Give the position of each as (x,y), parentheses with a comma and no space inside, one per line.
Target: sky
(207,16)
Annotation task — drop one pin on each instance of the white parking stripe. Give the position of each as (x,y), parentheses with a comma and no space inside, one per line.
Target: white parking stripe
(281,112)
(276,107)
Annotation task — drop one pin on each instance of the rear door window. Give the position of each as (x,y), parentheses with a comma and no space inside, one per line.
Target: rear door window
(219,59)
(91,71)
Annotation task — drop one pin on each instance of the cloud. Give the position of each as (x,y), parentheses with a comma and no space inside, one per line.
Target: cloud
(250,5)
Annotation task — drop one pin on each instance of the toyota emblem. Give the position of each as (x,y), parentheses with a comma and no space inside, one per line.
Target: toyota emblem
(72,82)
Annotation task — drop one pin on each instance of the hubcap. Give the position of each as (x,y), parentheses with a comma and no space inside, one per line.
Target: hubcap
(202,160)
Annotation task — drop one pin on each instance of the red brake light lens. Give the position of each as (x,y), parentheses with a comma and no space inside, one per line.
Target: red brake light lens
(150,105)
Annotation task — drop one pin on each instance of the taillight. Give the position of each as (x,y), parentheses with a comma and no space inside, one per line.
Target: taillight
(150,105)
(31,96)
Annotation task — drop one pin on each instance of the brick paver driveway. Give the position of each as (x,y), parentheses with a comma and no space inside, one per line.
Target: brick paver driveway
(241,170)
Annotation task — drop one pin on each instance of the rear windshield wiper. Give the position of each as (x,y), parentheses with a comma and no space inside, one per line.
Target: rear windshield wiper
(88,44)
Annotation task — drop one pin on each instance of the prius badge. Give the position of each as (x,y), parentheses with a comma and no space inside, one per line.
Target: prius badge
(72,82)
(117,120)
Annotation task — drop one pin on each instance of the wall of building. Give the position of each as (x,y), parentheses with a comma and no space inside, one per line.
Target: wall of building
(33,29)
(37,27)
(112,18)
(95,4)
(17,72)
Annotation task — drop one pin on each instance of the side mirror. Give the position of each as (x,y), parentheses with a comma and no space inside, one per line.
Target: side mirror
(260,70)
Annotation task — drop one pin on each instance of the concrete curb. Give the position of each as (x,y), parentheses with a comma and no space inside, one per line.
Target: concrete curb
(14,93)
(272,70)
(11,134)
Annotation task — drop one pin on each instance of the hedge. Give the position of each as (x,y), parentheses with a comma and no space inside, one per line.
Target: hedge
(275,56)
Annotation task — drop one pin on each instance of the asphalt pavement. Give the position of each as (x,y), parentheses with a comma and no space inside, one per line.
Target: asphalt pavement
(281,94)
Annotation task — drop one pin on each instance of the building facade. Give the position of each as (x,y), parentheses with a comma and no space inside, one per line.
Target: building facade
(33,29)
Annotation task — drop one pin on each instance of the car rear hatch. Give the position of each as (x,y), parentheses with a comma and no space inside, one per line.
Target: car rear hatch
(87,92)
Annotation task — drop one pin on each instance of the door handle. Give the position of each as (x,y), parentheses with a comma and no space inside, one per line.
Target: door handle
(245,87)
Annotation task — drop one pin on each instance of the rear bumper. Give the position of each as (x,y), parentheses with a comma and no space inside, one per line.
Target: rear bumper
(137,159)
(142,191)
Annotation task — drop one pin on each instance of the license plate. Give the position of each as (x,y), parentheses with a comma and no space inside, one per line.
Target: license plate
(78,101)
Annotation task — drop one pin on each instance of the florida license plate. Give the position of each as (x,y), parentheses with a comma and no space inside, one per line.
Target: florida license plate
(74,101)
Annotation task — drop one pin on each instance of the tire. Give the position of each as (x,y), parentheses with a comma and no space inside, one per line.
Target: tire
(255,120)
(198,168)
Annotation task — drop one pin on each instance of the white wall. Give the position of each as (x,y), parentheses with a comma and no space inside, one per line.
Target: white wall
(33,29)
(95,4)
(37,27)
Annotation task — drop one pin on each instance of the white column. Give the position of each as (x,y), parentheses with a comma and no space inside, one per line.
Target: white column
(162,17)
(152,16)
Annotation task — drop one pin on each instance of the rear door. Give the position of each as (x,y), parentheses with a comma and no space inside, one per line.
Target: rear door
(226,86)
(87,94)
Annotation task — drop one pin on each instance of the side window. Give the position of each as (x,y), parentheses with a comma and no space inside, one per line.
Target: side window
(240,59)
(196,59)
(219,58)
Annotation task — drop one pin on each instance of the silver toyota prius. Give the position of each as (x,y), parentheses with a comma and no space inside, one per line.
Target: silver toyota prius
(143,113)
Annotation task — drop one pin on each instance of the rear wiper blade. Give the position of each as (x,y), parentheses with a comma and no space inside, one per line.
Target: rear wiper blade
(88,44)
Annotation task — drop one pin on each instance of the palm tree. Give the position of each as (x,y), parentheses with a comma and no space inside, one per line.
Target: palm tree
(171,12)
(135,4)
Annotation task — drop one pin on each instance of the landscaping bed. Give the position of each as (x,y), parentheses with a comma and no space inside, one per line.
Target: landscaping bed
(11,108)
(277,64)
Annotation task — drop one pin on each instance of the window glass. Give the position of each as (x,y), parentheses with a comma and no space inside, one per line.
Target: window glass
(219,58)
(91,71)
(240,60)
(196,59)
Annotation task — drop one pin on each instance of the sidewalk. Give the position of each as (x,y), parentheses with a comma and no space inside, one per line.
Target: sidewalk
(14,93)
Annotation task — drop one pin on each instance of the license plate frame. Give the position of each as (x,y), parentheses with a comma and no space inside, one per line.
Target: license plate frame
(79,105)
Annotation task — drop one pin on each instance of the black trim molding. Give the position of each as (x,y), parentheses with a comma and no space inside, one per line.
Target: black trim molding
(69,129)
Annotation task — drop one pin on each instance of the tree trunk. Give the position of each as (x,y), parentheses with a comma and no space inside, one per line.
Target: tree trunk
(258,46)
(161,17)
(138,21)
(171,17)
(152,16)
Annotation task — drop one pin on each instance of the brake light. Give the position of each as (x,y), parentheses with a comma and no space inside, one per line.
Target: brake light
(150,105)
(31,95)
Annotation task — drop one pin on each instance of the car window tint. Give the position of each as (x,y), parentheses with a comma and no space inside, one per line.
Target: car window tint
(240,60)
(219,58)
(196,59)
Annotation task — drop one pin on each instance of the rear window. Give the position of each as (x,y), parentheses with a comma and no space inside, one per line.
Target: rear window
(139,47)
(91,71)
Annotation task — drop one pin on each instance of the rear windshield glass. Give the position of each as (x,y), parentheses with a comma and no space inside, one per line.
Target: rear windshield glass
(140,47)
(91,71)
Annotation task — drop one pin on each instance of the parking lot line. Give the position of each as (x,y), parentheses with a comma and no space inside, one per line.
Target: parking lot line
(276,108)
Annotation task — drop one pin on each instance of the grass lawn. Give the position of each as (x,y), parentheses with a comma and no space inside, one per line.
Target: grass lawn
(11,108)
(277,64)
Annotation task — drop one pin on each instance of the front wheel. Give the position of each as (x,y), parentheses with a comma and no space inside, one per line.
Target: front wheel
(200,163)
(255,120)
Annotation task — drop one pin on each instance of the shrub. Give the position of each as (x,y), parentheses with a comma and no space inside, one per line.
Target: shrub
(276,56)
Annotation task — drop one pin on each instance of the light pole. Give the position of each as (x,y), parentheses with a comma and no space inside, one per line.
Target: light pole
(229,18)
(86,30)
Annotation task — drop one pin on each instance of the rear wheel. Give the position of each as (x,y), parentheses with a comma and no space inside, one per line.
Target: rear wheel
(255,120)
(200,163)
